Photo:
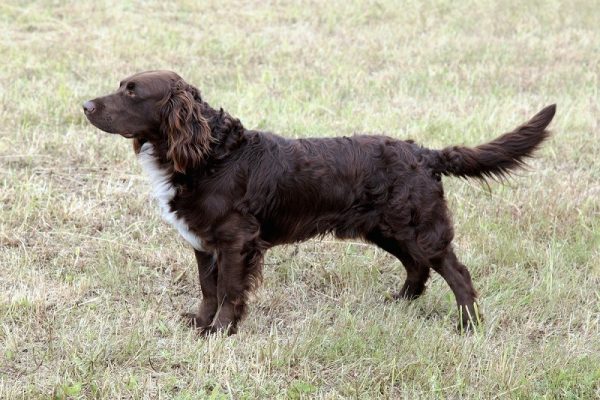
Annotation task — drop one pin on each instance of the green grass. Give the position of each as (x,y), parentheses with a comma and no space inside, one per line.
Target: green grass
(92,281)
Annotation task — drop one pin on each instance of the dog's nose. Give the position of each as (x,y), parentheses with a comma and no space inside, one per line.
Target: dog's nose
(89,107)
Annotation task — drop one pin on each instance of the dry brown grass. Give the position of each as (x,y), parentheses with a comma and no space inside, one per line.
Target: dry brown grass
(91,281)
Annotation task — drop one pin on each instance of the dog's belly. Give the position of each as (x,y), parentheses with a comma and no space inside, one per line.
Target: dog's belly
(163,192)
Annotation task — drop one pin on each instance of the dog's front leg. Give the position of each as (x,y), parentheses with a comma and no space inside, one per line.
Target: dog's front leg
(230,291)
(239,260)
(207,275)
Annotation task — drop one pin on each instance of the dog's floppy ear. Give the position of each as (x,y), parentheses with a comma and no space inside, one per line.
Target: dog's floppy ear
(187,131)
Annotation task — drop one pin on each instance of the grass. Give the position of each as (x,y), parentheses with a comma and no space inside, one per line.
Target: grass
(92,281)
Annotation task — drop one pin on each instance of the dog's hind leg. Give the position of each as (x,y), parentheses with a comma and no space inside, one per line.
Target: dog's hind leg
(432,246)
(417,274)
(458,278)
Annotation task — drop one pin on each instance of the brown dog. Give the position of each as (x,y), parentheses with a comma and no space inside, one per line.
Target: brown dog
(233,193)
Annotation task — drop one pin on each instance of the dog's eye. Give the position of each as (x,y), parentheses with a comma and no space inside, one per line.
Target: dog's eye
(130,87)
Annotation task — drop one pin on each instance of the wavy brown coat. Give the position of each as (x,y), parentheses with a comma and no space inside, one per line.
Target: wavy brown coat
(242,191)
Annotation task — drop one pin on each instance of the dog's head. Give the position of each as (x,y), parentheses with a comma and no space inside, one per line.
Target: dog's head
(156,106)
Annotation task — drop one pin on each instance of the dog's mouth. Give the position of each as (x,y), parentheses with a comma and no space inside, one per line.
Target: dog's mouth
(101,122)
(105,125)
(125,134)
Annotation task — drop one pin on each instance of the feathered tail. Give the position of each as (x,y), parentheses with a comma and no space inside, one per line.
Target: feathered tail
(499,157)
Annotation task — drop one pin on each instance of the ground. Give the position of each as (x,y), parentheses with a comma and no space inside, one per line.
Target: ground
(92,281)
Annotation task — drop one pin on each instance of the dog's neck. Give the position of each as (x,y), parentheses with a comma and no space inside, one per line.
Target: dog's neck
(227,135)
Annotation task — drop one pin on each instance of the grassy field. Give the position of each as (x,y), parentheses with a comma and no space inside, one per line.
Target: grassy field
(92,281)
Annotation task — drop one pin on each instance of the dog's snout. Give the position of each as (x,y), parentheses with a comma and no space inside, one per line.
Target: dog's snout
(89,107)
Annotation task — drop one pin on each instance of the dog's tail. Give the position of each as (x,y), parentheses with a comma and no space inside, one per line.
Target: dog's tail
(499,157)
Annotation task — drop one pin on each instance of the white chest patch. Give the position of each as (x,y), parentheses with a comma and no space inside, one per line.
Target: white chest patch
(163,191)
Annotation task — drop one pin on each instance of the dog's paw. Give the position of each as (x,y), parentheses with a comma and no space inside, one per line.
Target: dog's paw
(470,320)
(194,320)
(406,293)
(214,330)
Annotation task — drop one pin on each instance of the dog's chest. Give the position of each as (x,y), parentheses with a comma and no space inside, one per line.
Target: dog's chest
(163,192)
